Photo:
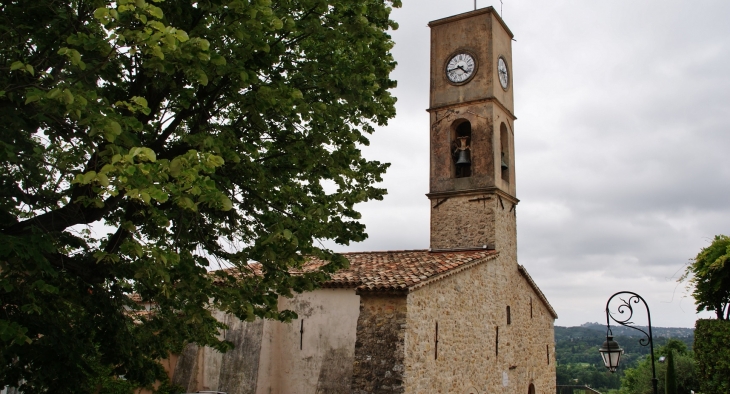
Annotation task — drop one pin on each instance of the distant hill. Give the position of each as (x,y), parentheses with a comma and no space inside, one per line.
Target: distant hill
(580,344)
(658,332)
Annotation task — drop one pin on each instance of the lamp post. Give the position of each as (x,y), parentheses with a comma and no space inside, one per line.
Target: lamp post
(610,351)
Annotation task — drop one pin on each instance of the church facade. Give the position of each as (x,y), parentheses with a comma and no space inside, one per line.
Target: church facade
(461,317)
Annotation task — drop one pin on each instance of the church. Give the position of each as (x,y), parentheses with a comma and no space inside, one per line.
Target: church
(460,317)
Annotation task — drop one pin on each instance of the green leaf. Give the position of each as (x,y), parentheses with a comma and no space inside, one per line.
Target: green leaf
(155,11)
(181,35)
(101,13)
(202,77)
(227,203)
(140,101)
(17,65)
(67,97)
(89,177)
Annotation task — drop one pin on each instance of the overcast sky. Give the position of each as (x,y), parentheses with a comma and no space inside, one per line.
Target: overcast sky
(621,145)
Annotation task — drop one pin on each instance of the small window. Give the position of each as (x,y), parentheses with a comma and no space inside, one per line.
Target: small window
(531,389)
(509,316)
(436,343)
(496,342)
(461,150)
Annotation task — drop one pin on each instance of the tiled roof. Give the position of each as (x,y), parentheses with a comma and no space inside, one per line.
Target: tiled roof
(402,269)
(396,270)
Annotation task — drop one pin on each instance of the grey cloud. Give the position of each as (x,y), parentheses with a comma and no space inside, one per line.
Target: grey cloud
(621,143)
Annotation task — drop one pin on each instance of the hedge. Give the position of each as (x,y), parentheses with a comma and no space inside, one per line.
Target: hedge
(712,352)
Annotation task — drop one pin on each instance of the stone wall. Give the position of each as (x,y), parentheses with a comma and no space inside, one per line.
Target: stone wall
(478,351)
(379,351)
(463,221)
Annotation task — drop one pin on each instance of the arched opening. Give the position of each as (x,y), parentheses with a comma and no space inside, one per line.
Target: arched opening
(505,159)
(461,149)
(531,389)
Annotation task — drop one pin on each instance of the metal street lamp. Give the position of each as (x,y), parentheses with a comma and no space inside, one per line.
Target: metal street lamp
(610,351)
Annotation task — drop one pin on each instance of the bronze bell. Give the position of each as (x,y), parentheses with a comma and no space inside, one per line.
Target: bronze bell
(504,165)
(463,157)
(462,151)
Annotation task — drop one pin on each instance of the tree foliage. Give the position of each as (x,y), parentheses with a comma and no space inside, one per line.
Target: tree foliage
(670,377)
(144,143)
(709,273)
(713,357)
(638,380)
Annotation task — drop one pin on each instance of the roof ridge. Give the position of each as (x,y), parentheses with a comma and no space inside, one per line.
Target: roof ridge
(386,251)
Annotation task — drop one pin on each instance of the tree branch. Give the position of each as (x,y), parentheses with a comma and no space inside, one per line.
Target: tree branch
(67,216)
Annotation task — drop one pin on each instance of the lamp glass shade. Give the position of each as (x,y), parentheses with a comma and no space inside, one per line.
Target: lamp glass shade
(611,353)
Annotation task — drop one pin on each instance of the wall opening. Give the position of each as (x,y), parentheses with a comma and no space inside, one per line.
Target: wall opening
(504,152)
(509,316)
(530,307)
(496,343)
(301,335)
(461,149)
(531,389)
(436,343)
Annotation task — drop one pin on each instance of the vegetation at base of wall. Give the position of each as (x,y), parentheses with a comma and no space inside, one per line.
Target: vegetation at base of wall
(146,143)
(638,380)
(712,351)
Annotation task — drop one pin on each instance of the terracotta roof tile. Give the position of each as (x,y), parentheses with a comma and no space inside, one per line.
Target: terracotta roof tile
(401,269)
(397,270)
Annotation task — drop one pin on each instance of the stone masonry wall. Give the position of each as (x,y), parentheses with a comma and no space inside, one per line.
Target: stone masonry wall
(463,222)
(478,350)
(379,353)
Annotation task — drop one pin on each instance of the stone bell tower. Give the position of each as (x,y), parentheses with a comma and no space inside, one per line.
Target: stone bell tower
(472,171)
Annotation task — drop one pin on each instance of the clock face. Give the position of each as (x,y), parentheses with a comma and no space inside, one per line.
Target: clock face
(460,68)
(503,73)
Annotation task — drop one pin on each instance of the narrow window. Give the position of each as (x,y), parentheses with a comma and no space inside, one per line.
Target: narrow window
(504,143)
(301,336)
(547,349)
(509,316)
(496,343)
(436,347)
(461,150)
(530,307)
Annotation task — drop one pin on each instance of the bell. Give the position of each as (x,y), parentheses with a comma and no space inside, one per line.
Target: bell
(504,165)
(463,157)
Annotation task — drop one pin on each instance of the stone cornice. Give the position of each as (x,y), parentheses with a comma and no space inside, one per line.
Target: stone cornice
(474,192)
(472,102)
(487,10)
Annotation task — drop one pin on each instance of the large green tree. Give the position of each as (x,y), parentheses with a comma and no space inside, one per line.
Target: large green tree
(709,274)
(143,144)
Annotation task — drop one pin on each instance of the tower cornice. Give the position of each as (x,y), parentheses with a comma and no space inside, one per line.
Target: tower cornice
(474,192)
(487,10)
(471,102)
